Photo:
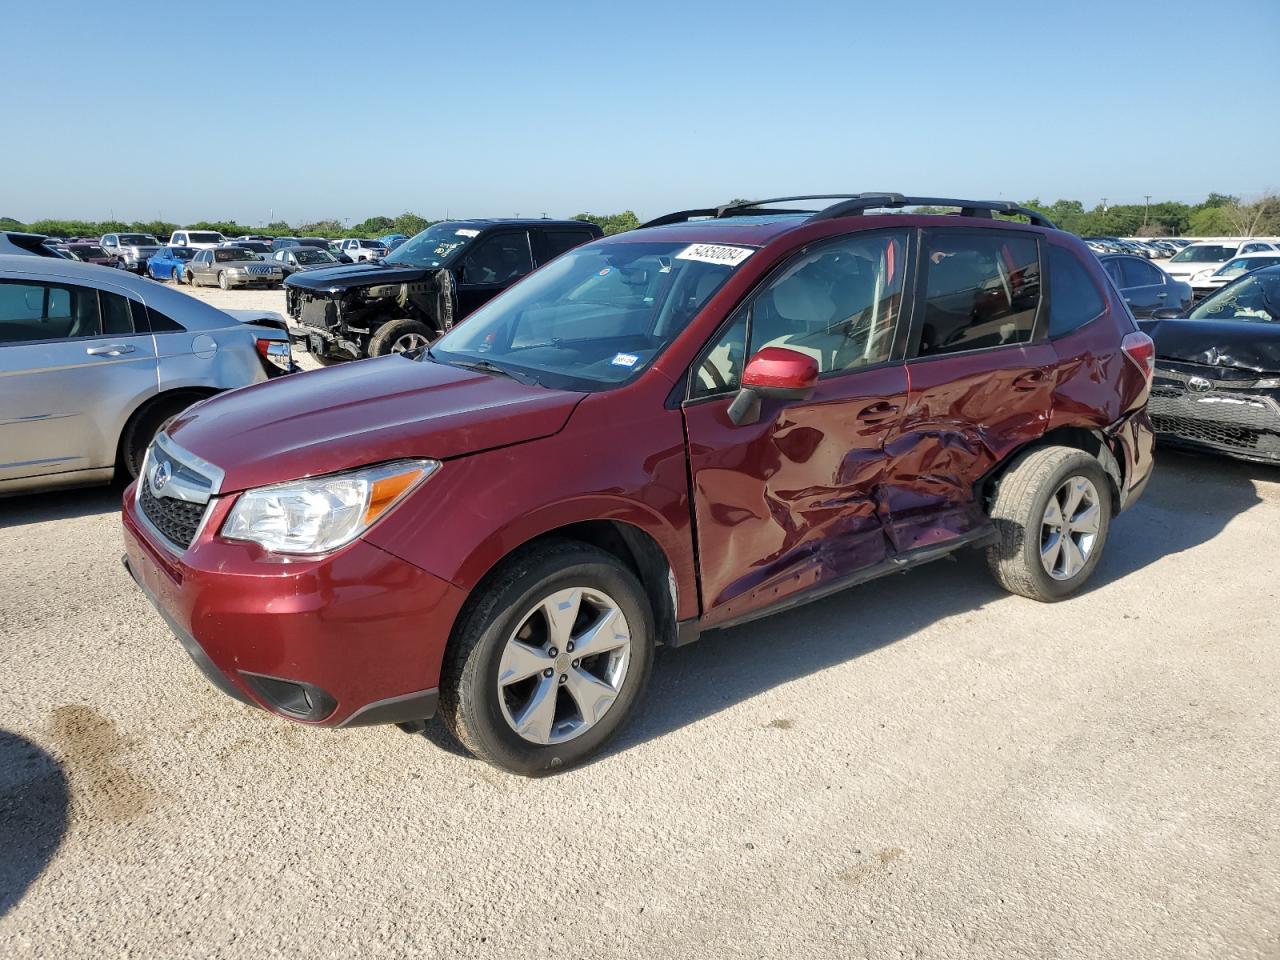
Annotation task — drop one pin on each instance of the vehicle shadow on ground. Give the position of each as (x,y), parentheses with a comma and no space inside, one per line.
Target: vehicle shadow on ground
(1188,502)
(60,505)
(33,814)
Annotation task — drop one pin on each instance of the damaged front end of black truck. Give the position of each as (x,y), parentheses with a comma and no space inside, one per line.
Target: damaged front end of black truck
(422,288)
(1217,376)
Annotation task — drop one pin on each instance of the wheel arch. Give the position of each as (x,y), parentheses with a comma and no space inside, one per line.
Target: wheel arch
(1087,439)
(635,547)
(195,394)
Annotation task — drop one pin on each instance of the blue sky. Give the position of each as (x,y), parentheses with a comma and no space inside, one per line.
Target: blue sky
(318,109)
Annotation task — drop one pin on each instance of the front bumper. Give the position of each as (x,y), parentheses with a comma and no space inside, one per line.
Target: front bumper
(1191,407)
(350,639)
(253,280)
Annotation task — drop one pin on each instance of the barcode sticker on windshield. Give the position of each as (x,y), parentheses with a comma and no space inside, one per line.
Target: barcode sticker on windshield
(466,233)
(715,253)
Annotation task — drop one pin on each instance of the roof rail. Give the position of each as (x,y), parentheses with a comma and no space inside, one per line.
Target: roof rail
(853,205)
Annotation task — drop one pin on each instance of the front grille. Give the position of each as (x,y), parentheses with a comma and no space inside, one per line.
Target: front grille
(1229,419)
(177,520)
(1208,431)
(263,269)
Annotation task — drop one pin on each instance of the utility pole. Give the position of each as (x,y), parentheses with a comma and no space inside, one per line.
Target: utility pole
(1146,211)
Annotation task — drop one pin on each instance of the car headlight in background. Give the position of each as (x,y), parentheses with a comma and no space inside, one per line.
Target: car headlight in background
(323,513)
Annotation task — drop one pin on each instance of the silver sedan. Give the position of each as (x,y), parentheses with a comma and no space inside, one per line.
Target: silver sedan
(94,362)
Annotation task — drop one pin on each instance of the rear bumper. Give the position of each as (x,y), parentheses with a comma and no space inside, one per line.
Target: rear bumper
(1133,443)
(351,639)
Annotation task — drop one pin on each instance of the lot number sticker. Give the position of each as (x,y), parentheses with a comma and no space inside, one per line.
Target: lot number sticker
(715,253)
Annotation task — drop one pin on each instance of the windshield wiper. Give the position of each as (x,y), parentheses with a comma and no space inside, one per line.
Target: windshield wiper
(488,366)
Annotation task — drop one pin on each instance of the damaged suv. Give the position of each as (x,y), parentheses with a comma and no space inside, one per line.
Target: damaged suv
(718,416)
(417,292)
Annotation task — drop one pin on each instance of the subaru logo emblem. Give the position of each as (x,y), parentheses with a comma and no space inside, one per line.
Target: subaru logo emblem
(1199,385)
(160,476)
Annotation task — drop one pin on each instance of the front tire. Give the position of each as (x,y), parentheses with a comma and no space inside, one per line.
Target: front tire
(400,336)
(177,275)
(222,281)
(144,427)
(1052,512)
(550,659)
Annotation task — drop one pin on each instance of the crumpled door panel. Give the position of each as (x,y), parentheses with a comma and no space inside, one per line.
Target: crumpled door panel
(792,500)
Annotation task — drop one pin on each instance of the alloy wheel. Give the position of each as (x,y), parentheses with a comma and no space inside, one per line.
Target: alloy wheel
(1069,528)
(563,667)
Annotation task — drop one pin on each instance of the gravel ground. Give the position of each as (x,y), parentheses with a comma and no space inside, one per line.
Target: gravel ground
(922,766)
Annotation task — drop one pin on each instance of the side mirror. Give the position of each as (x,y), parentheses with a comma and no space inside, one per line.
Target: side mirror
(776,373)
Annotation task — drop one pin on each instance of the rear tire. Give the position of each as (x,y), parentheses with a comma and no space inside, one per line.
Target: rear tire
(399,336)
(143,428)
(506,631)
(1052,512)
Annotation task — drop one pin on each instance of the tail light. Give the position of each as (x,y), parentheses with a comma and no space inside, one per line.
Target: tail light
(276,354)
(1141,351)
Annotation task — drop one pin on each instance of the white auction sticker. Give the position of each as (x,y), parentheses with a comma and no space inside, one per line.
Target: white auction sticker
(715,253)
(466,233)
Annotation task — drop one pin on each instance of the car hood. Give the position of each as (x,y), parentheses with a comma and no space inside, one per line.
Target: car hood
(1217,343)
(355,275)
(364,412)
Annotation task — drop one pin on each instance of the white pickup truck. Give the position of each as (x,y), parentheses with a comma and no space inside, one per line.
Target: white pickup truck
(196,239)
(359,250)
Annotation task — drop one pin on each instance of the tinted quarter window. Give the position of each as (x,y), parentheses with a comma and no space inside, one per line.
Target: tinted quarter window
(838,303)
(1074,299)
(556,242)
(499,259)
(981,290)
(45,311)
(1114,272)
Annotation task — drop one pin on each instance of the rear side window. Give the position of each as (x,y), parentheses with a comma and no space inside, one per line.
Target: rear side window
(981,290)
(557,242)
(1139,273)
(1074,299)
(32,311)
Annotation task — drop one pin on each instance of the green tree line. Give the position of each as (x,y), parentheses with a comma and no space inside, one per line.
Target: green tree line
(1218,214)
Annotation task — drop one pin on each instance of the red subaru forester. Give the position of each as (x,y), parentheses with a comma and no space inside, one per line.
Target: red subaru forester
(723,414)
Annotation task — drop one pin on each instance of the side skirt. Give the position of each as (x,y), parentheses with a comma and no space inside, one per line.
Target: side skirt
(689,630)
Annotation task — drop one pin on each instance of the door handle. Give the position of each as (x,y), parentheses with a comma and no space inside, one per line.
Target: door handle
(877,412)
(1161,296)
(1029,380)
(111,350)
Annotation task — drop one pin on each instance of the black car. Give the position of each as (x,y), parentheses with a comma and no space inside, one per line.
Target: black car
(423,287)
(1145,287)
(1217,377)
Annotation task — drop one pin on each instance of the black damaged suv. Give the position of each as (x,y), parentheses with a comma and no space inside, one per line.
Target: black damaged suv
(423,287)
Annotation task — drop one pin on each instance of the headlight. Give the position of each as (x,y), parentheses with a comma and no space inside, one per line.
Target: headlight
(323,513)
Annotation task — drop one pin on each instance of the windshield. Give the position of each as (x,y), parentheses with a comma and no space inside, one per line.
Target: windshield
(87,251)
(256,246)
(224,254)
(1254,297)
(595,316)
(311,255)
(199,237)
(1245,264)
(182,253)
(433,245)
(138,240)
(1207,253)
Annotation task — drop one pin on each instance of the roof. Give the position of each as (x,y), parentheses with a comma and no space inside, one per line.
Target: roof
(520,221)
